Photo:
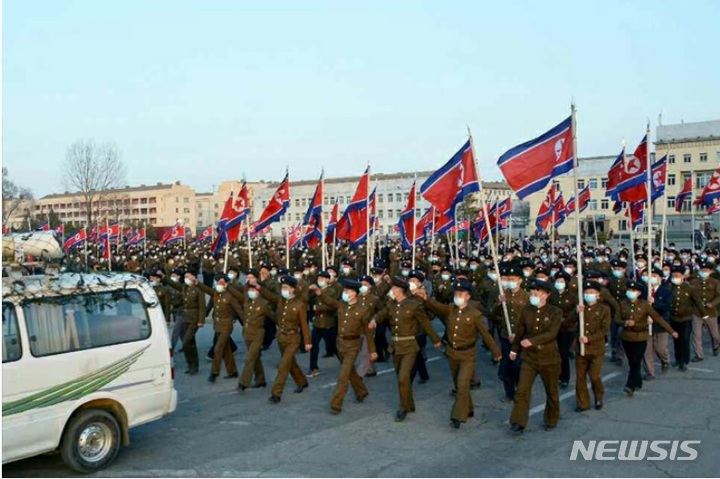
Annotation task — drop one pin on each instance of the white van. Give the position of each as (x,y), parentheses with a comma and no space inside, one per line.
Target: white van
(85,357)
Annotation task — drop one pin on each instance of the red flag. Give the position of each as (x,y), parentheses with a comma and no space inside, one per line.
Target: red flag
(456,179)
(711,192)
(176,233)
(227,213)
(685,193)
(636,212)
(277,206)
(406,224)
(353,226)
(60,230)
(295,233)
(332,224)
(240,210)
(313,218)
(544,216)
(75,240)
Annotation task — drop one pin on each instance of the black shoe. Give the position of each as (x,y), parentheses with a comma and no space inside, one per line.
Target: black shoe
(598,405)
(230,376)
(563,384)
(453,392)
(549,428)
(579,409)
(274,399)
(571,355)
(629,392)
(300,389)
(683,367)
(516,428)
(334,411)
(361,399)
(665,367)
(400,416)
(192,371)
(371,375)
(211,378)
(180,351)
(242,388)
(412,409)
(455,423)
(474,386)
(696,359)
(716,351)
(258,386)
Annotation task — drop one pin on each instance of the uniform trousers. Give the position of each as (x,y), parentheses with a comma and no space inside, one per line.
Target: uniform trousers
(588,365)
(682,343)
(565,340)
(616,346)
(348,375)
(288,344)
(253,363)
(711,324)
(178,331)
(657,347)
(403,364)
(509,371)
(521,409)
(190,347)
(381,342)
(635,352)
(420,366)
(462,366)
(270,333)
(223,352)
(329,335)
(365,365)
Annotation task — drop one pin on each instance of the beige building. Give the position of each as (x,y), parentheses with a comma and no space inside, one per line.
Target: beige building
(209,206)
(157,205)
(691,148)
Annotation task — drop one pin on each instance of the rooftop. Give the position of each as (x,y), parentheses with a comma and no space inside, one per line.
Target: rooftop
(685,132)
(125,189)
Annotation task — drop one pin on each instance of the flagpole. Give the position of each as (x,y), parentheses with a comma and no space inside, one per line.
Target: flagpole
(432,232)
(664,221)
(457,250)
(632,242)
(107,243)
(510,227)
(578,253)
(493,251)
(648,214)
(412,190)
(367,224)
(497,222)
(144,240)
(86,245)
(692,209)
(287,223)
(595,231)
(552,227)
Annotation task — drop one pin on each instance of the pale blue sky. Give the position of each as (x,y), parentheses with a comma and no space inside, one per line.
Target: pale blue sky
(203,91)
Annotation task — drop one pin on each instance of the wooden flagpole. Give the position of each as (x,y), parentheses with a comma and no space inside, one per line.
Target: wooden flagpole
(367,224)
(648,213)
(287,223)
(323,248)
(413,222)
(664,219)
(692,209)
(578,252)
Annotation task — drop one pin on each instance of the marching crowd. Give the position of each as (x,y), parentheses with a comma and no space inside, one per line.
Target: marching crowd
(526,312)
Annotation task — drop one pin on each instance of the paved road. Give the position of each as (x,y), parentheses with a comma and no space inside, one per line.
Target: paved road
(217,431)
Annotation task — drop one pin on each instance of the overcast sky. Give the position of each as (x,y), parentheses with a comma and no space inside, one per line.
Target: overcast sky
(202,91)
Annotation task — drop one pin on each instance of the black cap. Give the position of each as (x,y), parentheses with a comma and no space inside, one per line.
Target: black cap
(417,275)
(678,269)
(570,262)
(592,285)
(265,266)
(706,265)
(156,274)
(635,285)
(289,280)
(368,279)
(377,270)
(400,282)
(562,275)
(594,274)
(511,270)
(539,284)
(406,265)
(348,283)
(448,268)
(618,263)
(462,285)
(254,272)
(220,276)
(324,274)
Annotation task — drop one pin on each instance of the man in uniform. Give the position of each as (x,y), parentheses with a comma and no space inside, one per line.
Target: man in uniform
(536,335)
(291,317)
(271,282)
(366,365)
(353,320)
(323,322)
(162,293)
(617,286)
(463,323)
(684,298)
(255,310)
(406,317)
(709,289)
(193,317)
(596,321)
(224,305)
(564,299)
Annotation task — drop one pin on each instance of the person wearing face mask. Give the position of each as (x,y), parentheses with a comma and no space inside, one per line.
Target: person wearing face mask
(406,317)
(353,320)
(488,297)
(293,329)
(617,287)
(193,308)
(564,299)
(372,303)
(465,323)
(380,289)
(477,273)
(442,287)
(657,346)
(302,291)
(596,322)
(686,301)
(415,282)
(225,308)
(536,336)
(323,323)
(641,263)
(634,313)
(516,299)
(347,270)
(570,267)
(267,280)
(162,293)
(709,291)
(255,311)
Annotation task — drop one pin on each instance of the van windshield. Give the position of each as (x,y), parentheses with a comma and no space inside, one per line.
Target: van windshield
(85,321)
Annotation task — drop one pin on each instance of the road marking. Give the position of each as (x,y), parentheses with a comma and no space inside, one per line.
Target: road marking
(701,370)
(384,371)
(569,394)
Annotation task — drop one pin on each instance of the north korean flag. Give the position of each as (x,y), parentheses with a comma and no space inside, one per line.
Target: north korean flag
(174,234)
(43,227)
(615,175)
(139,237)
(530,166)
(354,223)
(584,196)
(443,223)
(617,207)
(332,224)
(631,187)
(204,236)
(75,240)
(456,179)
(636,212)
(560,212)
(238,213)
(683,195)
(313,218)
(711,192)
(296,235)
(277,206)
(544,216)
(406,224)
(658,175)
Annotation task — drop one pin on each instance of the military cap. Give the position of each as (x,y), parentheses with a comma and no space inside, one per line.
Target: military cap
(156,274)
(254,272)
(377,270)
(656,270)
(511,270)
(406,265)
(177,271)
(706,265)
(324,274)
(367,279)
(592,285)
(448,268)
(233,268)
(417,275)
(570,262)
(332,268)
(346,262)
(462,285)
(400,282)
(636,286)
(298,268)
(221,276)
(348,283)
(594,274)
(678,269)
(289,280)
(618,263)
(539,284)
(266,266)
(283,271)
(562,275)
(642,256)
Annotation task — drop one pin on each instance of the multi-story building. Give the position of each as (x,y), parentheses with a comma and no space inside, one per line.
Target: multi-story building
(157,205)
(691,149)
(392,192)
(209,206)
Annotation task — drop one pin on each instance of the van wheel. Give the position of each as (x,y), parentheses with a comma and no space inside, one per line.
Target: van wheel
(91,441)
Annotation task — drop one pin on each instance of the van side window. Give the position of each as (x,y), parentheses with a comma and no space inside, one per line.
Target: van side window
(12,349)
(85,321)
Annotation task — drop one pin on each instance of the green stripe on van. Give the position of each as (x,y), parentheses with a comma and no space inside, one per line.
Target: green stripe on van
(73,390)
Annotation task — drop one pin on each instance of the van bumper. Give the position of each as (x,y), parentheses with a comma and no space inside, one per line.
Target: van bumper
(173,401)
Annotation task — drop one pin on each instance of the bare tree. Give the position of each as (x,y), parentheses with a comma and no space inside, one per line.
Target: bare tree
(92,170)
(12,196)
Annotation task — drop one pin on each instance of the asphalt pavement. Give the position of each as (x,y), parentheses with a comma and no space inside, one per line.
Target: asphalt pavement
(220,432)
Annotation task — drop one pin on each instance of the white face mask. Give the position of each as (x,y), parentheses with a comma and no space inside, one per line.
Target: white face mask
(445,277)
(459,302)
(364,289)
(231,276)
(492,276)
(391,295)
(298,275)
(252,294)
(677,281)
(219,288)
(413,287)
(286,294)
(188,281)
(322,284)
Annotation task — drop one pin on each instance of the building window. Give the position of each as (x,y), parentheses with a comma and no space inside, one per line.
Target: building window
(581,184)
(671,179)
(593,183)
(687,158)
(671,159)
(417,213)
(186,210)
(703,157)
(398,197)
(304,202)
(177,199)
(671,202)
(702,179)
(381,214)
(177,210)
(297,216)
(186,199)
(341,200)
(332,199)
(347,199)
(380,197)
(390,213)
(623,225)
(604,182)
(593,205)
(326,201)
(297,203)
(604,204)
